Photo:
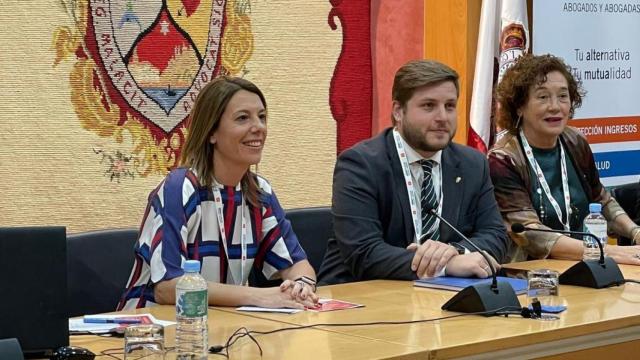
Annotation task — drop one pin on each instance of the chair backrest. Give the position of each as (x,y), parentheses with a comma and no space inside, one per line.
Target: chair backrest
(313,226)
(628,196)
(99,264)
(10,349)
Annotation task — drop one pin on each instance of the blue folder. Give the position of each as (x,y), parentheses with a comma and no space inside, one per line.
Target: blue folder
(456,283)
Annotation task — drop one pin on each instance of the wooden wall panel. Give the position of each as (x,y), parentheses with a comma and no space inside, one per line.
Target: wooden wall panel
(451,30)
(394,41)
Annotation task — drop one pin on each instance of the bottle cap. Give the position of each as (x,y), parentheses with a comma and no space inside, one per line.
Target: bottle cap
(191,266)
(595,207)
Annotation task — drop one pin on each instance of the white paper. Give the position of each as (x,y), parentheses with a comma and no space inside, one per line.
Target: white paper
(78,324)
(271,310)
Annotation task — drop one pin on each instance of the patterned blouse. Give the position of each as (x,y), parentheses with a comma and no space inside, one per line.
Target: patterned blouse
(513,184)
(180,223)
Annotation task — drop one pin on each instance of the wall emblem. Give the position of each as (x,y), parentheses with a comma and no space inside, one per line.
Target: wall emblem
(140,66)
(513,44)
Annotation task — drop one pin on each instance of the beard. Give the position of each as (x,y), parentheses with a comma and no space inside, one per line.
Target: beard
(416,139)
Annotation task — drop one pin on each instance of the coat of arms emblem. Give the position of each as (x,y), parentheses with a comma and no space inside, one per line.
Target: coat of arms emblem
(140,65)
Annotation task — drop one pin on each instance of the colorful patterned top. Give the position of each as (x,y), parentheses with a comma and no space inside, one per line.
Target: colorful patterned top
(180,223)
(513,185)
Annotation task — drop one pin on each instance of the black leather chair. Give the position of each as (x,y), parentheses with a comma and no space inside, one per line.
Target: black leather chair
(313,226)
(99,264)
(628,196)
(10,349)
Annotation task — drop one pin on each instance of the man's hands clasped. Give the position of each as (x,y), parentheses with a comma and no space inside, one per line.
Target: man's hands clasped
(470,265)
(432,256)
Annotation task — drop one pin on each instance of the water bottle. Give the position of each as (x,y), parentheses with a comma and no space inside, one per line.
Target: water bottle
(595,224)
(191,313)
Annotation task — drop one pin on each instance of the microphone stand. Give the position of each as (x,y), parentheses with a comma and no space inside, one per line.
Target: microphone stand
(483,297)
(597,274)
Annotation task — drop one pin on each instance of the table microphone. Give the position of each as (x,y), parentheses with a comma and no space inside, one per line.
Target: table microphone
(483,297)
(597,274)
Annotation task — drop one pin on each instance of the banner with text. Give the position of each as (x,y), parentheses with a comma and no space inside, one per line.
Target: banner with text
(598,39)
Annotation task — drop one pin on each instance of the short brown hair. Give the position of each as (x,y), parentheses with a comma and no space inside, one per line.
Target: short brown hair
(530,70)
(204,120)
(418,73)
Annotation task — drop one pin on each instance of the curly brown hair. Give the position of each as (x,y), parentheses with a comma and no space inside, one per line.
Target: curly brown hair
(531,70)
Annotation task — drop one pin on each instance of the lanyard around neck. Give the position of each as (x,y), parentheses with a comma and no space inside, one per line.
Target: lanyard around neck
(411,189)
(543,182)
(238,276)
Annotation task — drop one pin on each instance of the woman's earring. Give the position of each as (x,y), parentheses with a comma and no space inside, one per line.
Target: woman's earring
(518,121)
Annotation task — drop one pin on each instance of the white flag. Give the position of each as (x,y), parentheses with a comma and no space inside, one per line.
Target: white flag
(502,38)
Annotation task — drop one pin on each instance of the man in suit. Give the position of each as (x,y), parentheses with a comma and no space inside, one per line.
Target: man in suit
(384,189)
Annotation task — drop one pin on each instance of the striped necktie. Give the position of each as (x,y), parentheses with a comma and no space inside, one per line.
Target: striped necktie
(428,201)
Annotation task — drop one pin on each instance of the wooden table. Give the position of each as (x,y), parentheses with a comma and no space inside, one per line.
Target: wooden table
(305,344)
(602,322)
(629,271)
(520,270)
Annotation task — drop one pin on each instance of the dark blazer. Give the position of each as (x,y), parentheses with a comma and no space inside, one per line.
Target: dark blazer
(372,218)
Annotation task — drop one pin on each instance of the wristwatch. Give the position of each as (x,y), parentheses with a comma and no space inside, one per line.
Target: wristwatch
(308,281)
(461,249)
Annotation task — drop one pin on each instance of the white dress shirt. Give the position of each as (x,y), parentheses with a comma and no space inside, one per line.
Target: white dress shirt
(417,174)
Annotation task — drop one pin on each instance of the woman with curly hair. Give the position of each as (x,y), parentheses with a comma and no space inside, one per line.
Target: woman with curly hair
(543,170)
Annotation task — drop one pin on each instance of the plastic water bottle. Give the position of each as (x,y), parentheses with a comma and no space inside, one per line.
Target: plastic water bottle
(595,224)
(191,313)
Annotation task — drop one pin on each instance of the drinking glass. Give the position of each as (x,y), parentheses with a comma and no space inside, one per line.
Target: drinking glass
(144,341)
(542,284)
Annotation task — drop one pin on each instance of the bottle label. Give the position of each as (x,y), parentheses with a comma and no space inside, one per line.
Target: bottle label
(192,303)
(599,230)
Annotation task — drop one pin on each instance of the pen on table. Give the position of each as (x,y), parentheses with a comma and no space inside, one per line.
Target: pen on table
(111,321)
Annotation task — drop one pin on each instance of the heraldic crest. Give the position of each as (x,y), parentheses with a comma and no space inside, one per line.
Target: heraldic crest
(139,67)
